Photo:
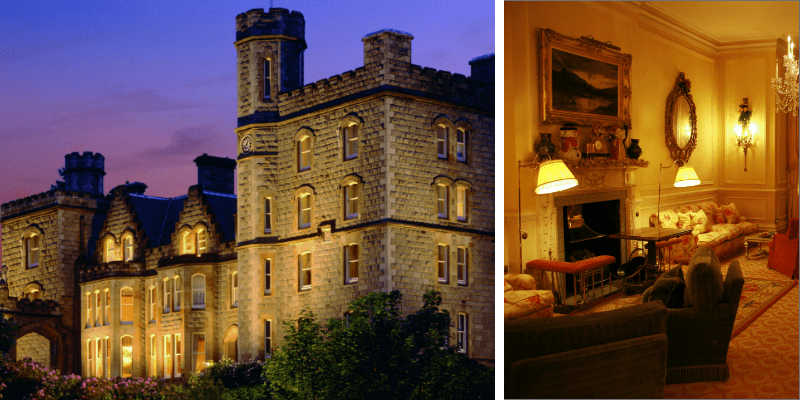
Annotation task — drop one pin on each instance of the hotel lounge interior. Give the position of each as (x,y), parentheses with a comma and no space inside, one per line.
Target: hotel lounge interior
(663,268)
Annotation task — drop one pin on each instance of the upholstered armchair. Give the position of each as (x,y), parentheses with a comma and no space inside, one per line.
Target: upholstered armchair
(783,251)
(699,333)
(522,300)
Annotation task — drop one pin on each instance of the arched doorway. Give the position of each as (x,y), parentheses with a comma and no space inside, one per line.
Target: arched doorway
(230,347)
(40,342)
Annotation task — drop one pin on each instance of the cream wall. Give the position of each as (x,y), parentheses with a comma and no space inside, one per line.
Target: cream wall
(721,76)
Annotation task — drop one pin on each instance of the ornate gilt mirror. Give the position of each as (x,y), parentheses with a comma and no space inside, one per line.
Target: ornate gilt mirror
(681,118)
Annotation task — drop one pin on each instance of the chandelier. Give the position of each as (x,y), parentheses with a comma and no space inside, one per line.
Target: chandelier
(786,88)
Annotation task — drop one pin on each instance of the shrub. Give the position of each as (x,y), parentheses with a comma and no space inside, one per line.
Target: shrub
(228,380)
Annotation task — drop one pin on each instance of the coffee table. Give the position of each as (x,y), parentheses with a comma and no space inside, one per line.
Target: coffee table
(651,235)
(758,237)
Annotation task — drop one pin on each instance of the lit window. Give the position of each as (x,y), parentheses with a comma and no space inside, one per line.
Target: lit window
(268,338)
(461,263)
(201,241)
(167,357)
(188,243)
(442,263)
(98,358)
(126,306)
(268,276)
(199,352)
(268,215)
(178,358)
(350,134)
(461,204)
(234,288)
(176,285)
(88,357)
(461,145)
(110,250)
(32,251)
(32,291)
(198,291)
(441,201)
(97,305)
(304,211)
(351,201)
(108,357)
(153,357)
(461,333)
(304,267)
(128,248)
(267,79)
(167,295)
(351,263)
(152,304)
(304,154)
(108,307)
(126,344)
(88,302)
(441,141)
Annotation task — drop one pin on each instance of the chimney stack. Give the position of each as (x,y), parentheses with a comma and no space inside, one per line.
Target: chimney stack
(215,174)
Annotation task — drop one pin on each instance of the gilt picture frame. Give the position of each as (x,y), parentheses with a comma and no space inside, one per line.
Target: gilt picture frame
(583,81)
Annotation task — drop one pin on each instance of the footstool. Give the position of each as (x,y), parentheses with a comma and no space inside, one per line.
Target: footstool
(579,268)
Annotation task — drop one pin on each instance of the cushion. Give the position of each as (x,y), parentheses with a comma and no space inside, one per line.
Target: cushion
(719,218)
(507,287)
(699,222)
(669,289)
(518,303)
(709,207)
(685,221)
(520,281)
(668,219)
(704,283)
(731,213)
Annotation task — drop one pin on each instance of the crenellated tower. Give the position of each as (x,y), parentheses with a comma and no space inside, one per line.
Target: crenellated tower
(84,172)
(269,47)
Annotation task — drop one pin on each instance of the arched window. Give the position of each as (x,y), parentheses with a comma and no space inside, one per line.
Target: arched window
(126,367)
(461,145)
(231,343)
(178,300)
(304,154)
(128,246)
(442,132)
(153,304)
(199,291)
(107,319)
(304,270)
(97,307)
(88,301)
(126,306)
(234,289)
(167,295)
(304,211)
(32,250)
(110,250)
(202,241)
(351,200)
(188,242)
(349,131)
(32,291)
(153,357)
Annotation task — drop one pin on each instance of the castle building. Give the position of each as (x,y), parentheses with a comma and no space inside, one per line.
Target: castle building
(377,179)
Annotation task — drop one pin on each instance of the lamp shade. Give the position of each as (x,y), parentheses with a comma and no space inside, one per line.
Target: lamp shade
(554,176)
(686,177)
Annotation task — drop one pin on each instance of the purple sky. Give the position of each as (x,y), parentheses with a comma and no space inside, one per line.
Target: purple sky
(152,86)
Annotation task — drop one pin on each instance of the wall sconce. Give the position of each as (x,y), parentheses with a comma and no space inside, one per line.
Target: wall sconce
(744,130)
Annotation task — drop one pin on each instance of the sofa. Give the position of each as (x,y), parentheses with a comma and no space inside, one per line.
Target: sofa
(522,300)
(721,228)
(615,354)
(783,251)
(699,329)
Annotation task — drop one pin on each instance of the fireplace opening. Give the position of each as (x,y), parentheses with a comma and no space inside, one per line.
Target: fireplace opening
(586,230)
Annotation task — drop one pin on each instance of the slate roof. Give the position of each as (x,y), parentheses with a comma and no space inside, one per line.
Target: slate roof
(223,206)
(158,216)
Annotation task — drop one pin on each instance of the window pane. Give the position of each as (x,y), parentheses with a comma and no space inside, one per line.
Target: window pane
(267,79)
(178,356)
(126,306)
(198,291)
(267,216)
(267,337)
(177,287)
(268,276)
(126,369)
(199,351)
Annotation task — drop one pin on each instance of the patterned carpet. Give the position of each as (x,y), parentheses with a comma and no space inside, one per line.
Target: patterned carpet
(764,354)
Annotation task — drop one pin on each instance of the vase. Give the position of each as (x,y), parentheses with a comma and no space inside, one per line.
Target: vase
(545,145)
(613,151)
(634,151)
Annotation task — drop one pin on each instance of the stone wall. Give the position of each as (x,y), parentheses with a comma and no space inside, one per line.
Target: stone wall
(34,346)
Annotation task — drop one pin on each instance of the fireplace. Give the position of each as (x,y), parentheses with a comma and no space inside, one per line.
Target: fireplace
(584,223)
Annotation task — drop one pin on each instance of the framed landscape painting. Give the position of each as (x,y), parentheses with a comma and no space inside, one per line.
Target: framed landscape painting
(583,81)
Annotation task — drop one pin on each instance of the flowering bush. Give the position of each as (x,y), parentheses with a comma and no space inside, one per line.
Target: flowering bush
(30,380)
(229,380)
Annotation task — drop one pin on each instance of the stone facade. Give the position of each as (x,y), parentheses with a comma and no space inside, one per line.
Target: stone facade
(377,179)
(397,109)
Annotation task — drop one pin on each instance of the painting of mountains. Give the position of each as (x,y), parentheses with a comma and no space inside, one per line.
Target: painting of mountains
(584,85)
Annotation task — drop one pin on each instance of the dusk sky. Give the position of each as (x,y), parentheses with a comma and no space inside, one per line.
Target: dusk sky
(152,85)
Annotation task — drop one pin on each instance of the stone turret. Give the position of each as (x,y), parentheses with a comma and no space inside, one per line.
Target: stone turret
(84,172)
(483,67)
(269,48)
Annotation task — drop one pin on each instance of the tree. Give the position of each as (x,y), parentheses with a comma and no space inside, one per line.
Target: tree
(8,334)
(376,353)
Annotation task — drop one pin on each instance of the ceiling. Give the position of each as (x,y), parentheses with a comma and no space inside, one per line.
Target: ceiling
(723,22)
